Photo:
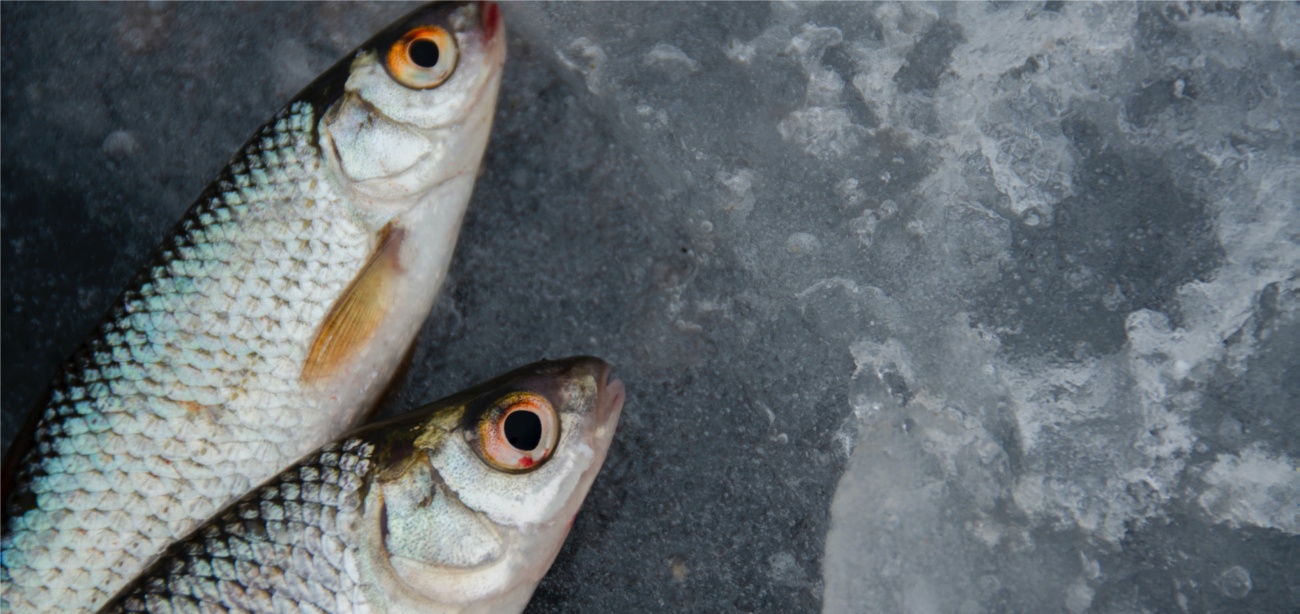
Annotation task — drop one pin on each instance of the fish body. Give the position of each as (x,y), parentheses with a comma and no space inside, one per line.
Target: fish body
(443,509)
(268,323)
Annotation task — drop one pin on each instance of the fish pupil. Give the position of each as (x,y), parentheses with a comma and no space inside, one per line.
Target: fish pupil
(424,53)
(523,429)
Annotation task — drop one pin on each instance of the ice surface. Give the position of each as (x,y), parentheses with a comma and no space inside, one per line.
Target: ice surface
(978,307)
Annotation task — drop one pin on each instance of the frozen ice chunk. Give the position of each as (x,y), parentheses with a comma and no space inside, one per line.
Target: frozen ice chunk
(822,128)
(821,132)
(742,53)
(1254,488)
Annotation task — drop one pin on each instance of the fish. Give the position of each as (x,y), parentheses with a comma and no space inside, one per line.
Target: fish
(458,506)
(268,322)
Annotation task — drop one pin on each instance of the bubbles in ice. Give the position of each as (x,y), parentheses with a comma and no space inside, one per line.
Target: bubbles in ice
(853,195)
(670,60)
(865,226)
(1235,582)
(916,228)
(738,194)
(120,144)
(803,243)
(1114,298)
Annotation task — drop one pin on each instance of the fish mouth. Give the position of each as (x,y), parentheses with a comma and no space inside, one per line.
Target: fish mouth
(609,399)
(489,19)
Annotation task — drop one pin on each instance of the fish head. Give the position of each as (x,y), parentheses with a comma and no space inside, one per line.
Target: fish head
(415,107)
(472,500)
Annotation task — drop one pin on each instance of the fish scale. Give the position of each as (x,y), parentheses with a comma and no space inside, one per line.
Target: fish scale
(266,324)
(403,515)
(127,415)
(287,537)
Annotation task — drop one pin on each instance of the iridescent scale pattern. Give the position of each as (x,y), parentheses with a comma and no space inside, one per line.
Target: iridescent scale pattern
(288,547)
(189,393)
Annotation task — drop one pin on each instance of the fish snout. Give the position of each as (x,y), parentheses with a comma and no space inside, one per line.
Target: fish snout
(489,19)
(610,395)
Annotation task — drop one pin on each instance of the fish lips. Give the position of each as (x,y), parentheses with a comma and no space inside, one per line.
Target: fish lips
(609,402)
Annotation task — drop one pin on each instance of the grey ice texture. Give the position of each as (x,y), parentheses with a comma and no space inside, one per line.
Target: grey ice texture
(978,307)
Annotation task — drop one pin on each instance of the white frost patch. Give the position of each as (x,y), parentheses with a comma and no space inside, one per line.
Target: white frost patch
(737,51)
(811,43)
(1286,26)
(821,132)
(1254,488)
(1123,421)
(587,59)
(785,570)
(803,243)
(1004,108)
(1078,597)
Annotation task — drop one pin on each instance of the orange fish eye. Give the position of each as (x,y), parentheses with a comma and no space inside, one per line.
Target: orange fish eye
(519,433)
(424,58)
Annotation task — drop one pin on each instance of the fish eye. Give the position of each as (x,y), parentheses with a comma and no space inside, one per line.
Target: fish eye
(424,58)
(518,433)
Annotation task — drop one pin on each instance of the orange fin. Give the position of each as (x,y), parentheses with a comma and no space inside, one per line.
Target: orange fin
(356,315)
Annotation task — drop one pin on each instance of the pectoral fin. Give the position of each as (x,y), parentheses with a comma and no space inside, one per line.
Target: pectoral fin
(356,315)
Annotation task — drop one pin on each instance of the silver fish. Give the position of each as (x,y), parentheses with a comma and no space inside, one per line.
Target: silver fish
(268,323)
(459,506)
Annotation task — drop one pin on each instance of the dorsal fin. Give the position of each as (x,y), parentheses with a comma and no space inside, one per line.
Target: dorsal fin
(356,315)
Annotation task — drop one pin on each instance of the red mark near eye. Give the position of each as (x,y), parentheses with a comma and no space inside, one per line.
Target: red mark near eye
(526,462)
(491,19)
